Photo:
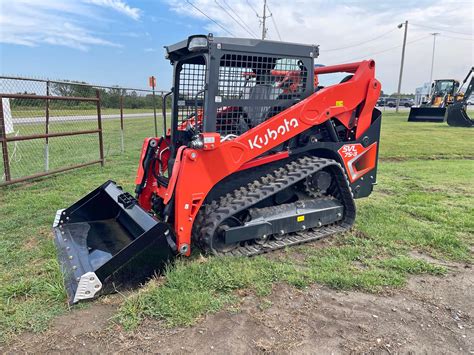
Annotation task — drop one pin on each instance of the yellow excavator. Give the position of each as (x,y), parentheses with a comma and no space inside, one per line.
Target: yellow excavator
(444,92)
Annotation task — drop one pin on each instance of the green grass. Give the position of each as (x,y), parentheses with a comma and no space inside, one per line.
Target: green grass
(403,140)
(422,203)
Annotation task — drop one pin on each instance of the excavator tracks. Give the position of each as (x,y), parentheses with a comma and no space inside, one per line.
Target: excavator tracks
(244,198)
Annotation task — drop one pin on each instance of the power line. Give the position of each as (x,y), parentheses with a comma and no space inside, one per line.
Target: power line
(218,24)
(253,9)
(233,18)
(373,45)
(240,18)
(274,23)
(385,50)
(360,43)
(442,29)
(465,39)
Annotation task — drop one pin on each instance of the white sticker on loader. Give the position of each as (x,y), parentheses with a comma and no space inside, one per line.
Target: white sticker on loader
(210,140)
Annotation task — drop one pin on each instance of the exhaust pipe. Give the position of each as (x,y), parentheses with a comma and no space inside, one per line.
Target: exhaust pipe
(106,240)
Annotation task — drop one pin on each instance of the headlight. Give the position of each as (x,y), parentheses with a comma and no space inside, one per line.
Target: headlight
(197,43)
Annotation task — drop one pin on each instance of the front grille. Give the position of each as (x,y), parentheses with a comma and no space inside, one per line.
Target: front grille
(190,85)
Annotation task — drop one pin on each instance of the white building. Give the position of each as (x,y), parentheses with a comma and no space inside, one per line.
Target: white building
(422,93)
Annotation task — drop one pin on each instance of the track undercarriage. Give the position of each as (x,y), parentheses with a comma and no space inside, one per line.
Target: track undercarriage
(307,199)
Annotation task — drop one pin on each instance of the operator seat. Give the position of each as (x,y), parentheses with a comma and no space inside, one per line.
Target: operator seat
(256,113)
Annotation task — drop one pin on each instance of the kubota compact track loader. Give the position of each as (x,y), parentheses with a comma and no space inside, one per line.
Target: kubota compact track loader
(258,157)
(456,114)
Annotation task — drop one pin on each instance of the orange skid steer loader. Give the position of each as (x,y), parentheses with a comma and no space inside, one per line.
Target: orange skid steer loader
(258,157)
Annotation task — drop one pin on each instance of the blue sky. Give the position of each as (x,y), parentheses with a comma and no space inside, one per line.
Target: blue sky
(121,41)
(128,48)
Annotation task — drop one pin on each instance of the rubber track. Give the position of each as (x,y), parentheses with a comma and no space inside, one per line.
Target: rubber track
(245,197)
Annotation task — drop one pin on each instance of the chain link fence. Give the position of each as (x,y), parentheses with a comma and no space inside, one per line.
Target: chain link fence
(50,126)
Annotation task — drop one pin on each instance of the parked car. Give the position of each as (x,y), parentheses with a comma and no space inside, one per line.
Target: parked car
(407,102)
(392,102)
(381,102)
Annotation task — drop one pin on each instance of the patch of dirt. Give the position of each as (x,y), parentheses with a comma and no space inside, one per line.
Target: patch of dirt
(450,265)
(74,331)
(430,315)
(427,157)
(30,243)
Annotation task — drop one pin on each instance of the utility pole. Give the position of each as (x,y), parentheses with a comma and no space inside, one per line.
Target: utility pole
(434,34)
(264,17)
(401,63)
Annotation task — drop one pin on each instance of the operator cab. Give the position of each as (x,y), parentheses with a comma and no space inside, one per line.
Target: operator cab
(443,90)
(230,85)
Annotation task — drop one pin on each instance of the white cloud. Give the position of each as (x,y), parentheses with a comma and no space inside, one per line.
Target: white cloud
(56,22)
(119,6)
(149,50)
(342,23)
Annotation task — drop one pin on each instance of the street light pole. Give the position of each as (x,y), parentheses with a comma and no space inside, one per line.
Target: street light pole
(434,34)
(401,63)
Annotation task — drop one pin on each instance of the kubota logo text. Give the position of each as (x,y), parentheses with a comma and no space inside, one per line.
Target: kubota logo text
(272,134)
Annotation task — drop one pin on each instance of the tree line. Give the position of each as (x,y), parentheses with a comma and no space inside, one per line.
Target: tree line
(110,97)
(402,95)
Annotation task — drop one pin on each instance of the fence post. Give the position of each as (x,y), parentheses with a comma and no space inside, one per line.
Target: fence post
(163,112)
(3,139)
(122,147)
(99,126)
(46,146)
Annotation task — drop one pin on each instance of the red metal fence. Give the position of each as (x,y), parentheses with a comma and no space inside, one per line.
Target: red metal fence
(34,125)
(50,126)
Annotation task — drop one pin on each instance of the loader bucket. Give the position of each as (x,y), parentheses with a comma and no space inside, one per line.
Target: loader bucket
(456,115)
(106,240)
(427,114)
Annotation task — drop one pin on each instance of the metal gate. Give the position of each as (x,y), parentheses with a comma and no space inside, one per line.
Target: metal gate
(29,133)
